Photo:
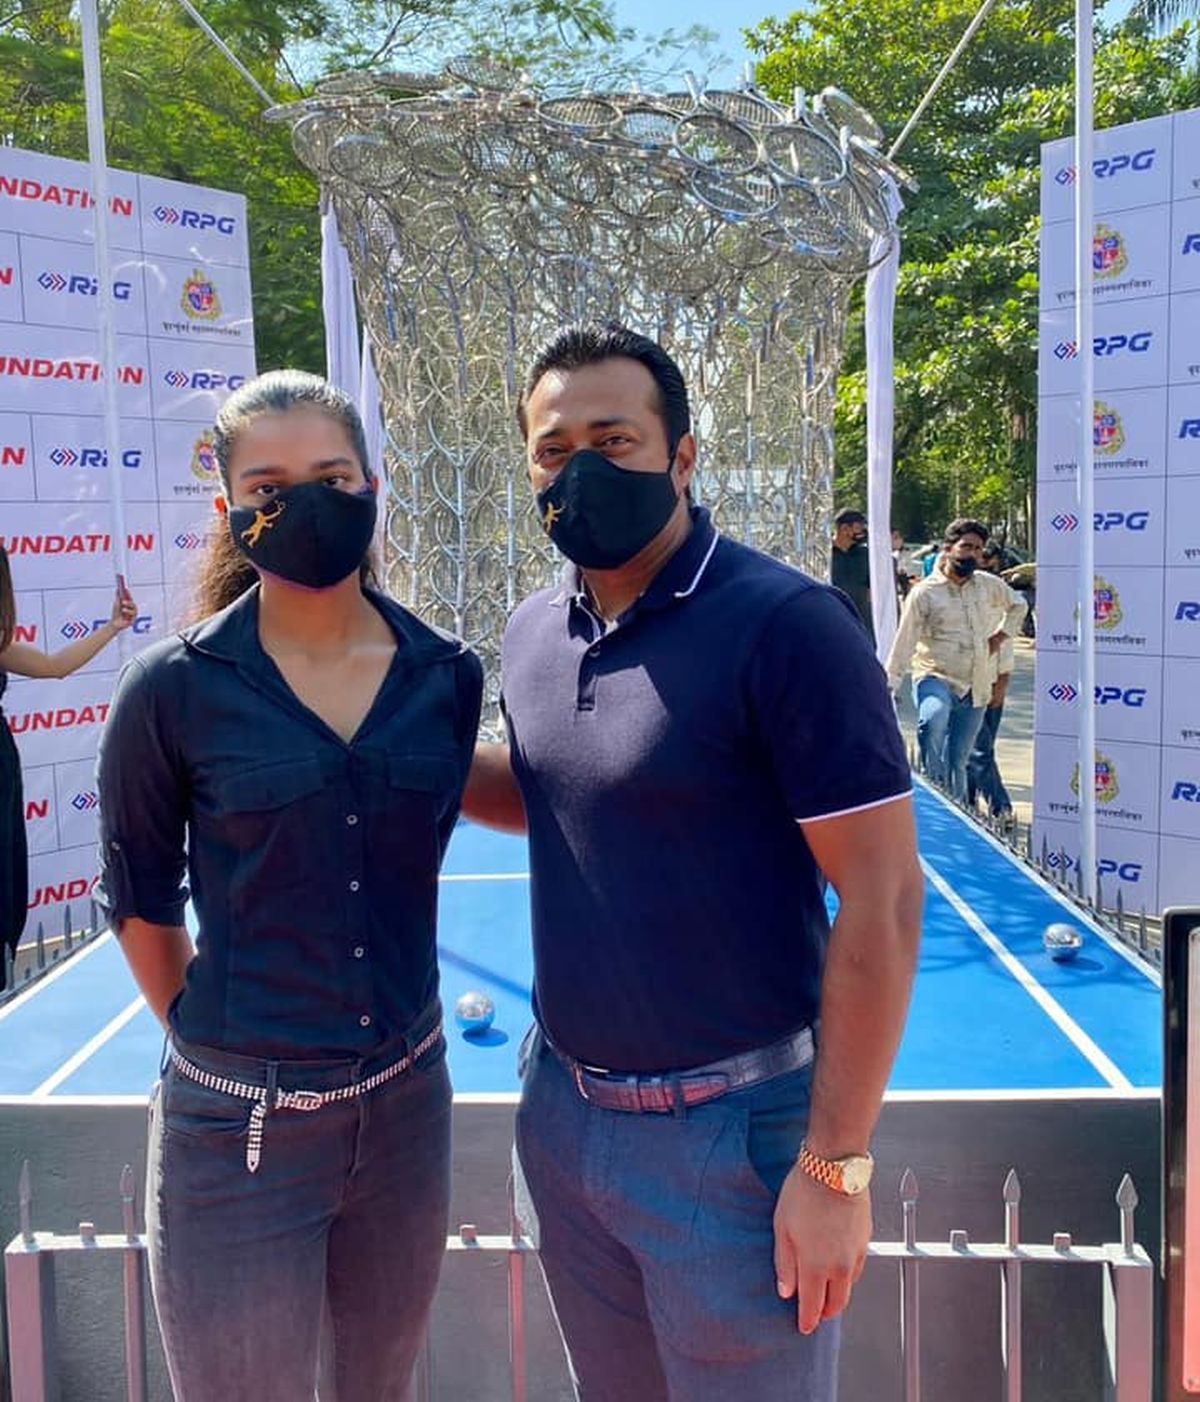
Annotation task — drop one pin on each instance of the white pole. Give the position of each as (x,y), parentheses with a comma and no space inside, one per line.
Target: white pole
(1086,496)
(105,302)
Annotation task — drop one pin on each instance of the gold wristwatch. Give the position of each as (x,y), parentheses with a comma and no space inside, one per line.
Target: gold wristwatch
(849,1176)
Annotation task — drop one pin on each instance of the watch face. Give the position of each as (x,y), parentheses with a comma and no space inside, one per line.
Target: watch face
(856,1174)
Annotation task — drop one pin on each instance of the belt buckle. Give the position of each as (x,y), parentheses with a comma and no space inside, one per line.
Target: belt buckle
(579,1086)
(304,1100)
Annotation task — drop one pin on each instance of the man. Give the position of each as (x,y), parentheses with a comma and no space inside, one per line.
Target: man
(850,563)
(688,787)
(953,625)
(983,773)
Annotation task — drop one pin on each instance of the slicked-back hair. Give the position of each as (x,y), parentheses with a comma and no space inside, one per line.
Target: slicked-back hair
(275,393)
(964,526)
(589,343)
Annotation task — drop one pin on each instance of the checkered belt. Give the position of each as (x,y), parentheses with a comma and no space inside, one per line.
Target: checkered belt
(303,1100)
(666,1093)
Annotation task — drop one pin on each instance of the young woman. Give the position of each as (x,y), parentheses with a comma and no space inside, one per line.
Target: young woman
(300,756)
(24,660)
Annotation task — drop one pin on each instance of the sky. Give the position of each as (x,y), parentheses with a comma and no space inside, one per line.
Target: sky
(729,18)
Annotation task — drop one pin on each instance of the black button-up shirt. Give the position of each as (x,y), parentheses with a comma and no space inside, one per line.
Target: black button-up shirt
(312,862)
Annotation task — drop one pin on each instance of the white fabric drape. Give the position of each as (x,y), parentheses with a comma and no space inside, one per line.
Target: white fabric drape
(881,311)
(346,366)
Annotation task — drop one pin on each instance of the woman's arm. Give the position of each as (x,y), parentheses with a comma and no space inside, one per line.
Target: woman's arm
(158,957)
(24,661)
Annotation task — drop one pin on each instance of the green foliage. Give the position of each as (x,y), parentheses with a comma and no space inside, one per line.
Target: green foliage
(967,302)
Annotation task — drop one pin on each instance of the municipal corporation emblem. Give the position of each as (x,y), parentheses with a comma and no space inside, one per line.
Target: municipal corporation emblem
(204,459)
(1107,787)
(200,300)
(1108,433)
(1109,258)
(1106,605)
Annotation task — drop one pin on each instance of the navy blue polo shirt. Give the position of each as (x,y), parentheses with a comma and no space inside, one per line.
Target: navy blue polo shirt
(312,862)
(678,915)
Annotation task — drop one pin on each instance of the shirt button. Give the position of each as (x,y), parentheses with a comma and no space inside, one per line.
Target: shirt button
(359,951)
(116,846)
(364,1021)
(351,819)
(354,885)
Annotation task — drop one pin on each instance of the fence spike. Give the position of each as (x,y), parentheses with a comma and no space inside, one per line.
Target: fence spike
(1078,879)
(1029,843)
(93,917)
(910,1191)
(1012,1210)
(1127,1201)
(128,1219)
(1045,853)
(68,922)
(41,947)
(959,1240)
(1120,911)
(1099,895)
(1062,1241)
(10,981)
(25,1203)
(1142,941)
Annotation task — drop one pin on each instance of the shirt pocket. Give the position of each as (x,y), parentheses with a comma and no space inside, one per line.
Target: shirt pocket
(271,804)
(421,790)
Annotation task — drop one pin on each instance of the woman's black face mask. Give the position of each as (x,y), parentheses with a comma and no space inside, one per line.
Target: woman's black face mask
(310,534)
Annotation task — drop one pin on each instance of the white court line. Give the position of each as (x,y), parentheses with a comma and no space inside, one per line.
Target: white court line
(89,1048)
(1053,1010)
(488,876)
(1118,946)
(70,961)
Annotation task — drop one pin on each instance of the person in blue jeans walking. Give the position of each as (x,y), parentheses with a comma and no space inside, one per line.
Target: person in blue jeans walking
(952,628)
(299,757)
(984,779)
(699,736)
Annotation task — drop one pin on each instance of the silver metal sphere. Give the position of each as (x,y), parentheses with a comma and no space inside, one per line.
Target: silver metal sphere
(474,1012)
(1062,942)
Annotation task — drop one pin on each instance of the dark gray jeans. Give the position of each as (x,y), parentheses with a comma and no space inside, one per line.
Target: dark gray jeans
(344,1223)
(656,1240)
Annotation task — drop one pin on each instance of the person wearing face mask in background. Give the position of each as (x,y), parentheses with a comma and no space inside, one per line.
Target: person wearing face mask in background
(299,757)
(952,629)
(850,563)
(696,733)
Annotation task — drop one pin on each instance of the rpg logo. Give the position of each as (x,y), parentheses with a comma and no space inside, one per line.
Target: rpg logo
(189,540)
(1107,787)
(200,300)
(1063,692)
(85,802)
(1106,605)
(204,458)
(1109,258)
(80,286)
(1189,428)
(193,219)
(1123,871)
(1066,350)
(1137,343)
(1121,520)
(1134,696)
(1064,521)
(1191,244)
(203,379)
(1066,175)
(1108,433)
(1187,611)
(92,457)
(77,628)
(1186,792)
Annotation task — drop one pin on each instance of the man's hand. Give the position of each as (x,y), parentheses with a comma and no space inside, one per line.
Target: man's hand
(821,1240)
(999,691)
(996,641)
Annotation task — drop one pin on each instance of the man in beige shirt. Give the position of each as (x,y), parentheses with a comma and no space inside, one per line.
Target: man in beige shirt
(953,626)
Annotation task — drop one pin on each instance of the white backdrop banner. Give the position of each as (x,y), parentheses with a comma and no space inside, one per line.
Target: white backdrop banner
(181,283)
(1146,439)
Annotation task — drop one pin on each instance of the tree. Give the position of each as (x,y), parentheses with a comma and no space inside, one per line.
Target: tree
(967,314)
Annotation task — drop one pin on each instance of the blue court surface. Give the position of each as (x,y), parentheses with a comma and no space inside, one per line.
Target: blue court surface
(992,1013)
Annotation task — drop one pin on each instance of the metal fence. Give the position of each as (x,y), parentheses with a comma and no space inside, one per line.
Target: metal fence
(1127,1294)
(41,954)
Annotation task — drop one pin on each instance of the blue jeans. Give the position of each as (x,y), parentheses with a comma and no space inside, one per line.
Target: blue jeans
(656,1241)
(946,728)
(983,773)
(341,1229)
